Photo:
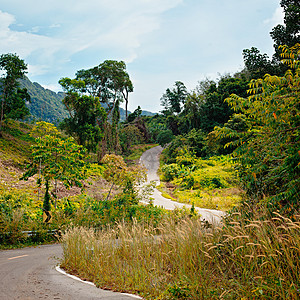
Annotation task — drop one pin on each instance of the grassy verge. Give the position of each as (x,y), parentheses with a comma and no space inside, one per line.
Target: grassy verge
(208,183)
(244,259)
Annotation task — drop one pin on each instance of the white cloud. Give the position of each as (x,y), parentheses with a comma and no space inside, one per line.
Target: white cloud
(5,20)
(160,40)
(53,87)
(277,18)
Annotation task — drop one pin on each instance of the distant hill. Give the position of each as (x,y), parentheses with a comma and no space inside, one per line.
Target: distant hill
(148,113)
(47,105)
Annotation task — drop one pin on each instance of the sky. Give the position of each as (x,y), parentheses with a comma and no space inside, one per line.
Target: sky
(161,41)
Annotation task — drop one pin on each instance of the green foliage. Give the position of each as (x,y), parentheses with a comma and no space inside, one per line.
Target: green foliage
(287,34)
(208,183)
(223,140)
(130,135)
(12,98)
(137,113)
(93,100)
(155,124)
(165,137)
(172,100)
(268,152)
(119,174)
(55,158)
(257,64)
(46,203)
(20,212)
(86,116)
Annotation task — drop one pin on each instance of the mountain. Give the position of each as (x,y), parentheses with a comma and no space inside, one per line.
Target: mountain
(148,113)
(47,105)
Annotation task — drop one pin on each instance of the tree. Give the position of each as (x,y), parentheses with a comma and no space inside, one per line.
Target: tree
(256,63)
(87,116)
(119,174)
(165,137)
(55,158)
(172,100)
(268,152)
(137,113)
(130,135)
(106,86)
(289,33)
(212,109)
(12,99)
(109,81)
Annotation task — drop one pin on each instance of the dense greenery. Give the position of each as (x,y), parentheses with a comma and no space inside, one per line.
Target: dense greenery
(269,150)
(12,97)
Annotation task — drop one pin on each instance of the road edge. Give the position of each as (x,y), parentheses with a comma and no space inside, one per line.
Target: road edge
(61,271)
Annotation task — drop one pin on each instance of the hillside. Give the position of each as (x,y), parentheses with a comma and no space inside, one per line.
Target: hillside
(47,105)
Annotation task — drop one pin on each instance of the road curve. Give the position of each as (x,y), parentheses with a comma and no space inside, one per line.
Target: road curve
(29,274)
(150,159)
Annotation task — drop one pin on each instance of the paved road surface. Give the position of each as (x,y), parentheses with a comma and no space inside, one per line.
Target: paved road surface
(150,159)
(30,273)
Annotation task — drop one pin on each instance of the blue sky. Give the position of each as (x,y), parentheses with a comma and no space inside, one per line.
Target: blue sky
(161,41)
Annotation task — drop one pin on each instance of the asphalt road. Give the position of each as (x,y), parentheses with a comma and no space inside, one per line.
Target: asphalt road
(150,159)
(30,273)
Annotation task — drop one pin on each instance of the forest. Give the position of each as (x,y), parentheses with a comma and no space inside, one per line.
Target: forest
(231,144)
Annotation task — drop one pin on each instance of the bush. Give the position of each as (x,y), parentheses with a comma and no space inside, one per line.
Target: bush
(165,137)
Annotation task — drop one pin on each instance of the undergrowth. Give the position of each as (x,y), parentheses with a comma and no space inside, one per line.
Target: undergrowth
(208,183)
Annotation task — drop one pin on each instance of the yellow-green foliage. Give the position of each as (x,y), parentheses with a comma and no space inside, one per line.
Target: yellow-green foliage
(248,259)
(15,143)
(208,183)
(222,199)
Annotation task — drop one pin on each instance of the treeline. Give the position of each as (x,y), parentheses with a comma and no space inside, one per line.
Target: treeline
(252,114)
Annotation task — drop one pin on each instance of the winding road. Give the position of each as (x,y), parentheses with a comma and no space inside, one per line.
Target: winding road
(31,273)
(150,159)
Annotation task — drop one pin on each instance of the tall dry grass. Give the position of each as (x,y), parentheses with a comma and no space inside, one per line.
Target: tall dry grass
(244,259)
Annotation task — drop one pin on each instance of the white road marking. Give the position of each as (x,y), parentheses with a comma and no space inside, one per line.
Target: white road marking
(58,269)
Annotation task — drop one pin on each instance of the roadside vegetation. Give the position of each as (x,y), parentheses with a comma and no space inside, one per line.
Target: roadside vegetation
(255,258)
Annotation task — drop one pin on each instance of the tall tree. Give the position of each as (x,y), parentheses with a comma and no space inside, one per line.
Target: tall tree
(109,81)
(172,100)
(55,158)
(108,84)
(268,150)
(12,98)
(257,64)
(289,33)
(87,116)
